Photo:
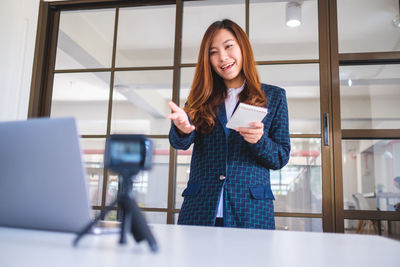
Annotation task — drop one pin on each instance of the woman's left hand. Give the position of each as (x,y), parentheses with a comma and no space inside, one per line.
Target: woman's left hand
(253,133)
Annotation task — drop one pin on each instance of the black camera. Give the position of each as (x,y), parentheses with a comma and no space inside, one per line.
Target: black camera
(128,154)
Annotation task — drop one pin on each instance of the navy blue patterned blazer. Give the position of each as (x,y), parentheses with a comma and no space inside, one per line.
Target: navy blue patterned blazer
(224,153)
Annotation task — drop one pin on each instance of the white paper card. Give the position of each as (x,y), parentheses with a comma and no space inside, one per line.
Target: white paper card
(245,114)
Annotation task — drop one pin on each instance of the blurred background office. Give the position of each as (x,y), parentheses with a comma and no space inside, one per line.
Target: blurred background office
(114,65)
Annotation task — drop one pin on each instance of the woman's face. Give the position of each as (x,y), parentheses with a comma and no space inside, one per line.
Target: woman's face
(226,58)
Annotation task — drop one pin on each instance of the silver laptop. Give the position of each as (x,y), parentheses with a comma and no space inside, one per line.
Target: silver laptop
(42,178)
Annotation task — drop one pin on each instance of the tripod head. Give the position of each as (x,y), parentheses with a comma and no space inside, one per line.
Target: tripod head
(127,154)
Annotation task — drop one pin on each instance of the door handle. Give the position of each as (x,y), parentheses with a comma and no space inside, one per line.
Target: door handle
(326,128)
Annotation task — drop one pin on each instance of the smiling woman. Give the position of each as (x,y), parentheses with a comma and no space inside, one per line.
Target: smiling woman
(225,47)
(229,182)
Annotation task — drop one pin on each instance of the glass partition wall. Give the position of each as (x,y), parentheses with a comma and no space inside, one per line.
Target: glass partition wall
(298,186)
(114,74)
(117,67)
(369,95)
(114,66)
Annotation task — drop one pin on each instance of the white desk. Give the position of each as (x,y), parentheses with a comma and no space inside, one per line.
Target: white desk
(192,246)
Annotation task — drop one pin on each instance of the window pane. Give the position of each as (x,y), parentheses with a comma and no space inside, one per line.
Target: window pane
(298,186)
(187,75)
(370,97)
(155,217)
(367,26)
(198,15)
(184,156)
(298,224)
(111,217)
(301,82)
(140,102)
(93,157)
(272,39)
(150,187)
(83,96)
(182,174)
(146,36)
(151,217)
(371,174)
(112,188)
(389,229)
(85,39)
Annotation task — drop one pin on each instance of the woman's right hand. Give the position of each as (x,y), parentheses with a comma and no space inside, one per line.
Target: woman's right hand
(180,118)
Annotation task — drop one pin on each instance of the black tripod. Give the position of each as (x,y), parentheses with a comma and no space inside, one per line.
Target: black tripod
(132,218)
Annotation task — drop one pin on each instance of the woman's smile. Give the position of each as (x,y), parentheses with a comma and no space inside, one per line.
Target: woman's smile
(226,58)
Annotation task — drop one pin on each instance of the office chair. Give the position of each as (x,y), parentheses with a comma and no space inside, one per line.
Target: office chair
(362,204)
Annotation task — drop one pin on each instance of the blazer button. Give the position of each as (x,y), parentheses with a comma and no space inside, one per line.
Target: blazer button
(221,177)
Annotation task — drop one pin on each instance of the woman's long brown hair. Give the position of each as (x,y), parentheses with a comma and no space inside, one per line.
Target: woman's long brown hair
(208,90)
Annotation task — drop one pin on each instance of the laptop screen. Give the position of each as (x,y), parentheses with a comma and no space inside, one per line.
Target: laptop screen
(42,178)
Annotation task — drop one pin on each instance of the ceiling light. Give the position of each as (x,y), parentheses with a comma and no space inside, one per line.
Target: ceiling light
(349,82)
(293,14)
(388,155)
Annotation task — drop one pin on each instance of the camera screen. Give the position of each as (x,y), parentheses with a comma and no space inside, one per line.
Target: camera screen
(126,152)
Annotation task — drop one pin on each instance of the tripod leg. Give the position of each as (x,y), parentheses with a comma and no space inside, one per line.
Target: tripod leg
(126,220)
(140,230)
(89,226)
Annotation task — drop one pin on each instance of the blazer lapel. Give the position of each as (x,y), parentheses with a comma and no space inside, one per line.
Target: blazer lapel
(237,104)
(222,119)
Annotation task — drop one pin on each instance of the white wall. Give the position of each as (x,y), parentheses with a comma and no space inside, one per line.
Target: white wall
(18,24)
